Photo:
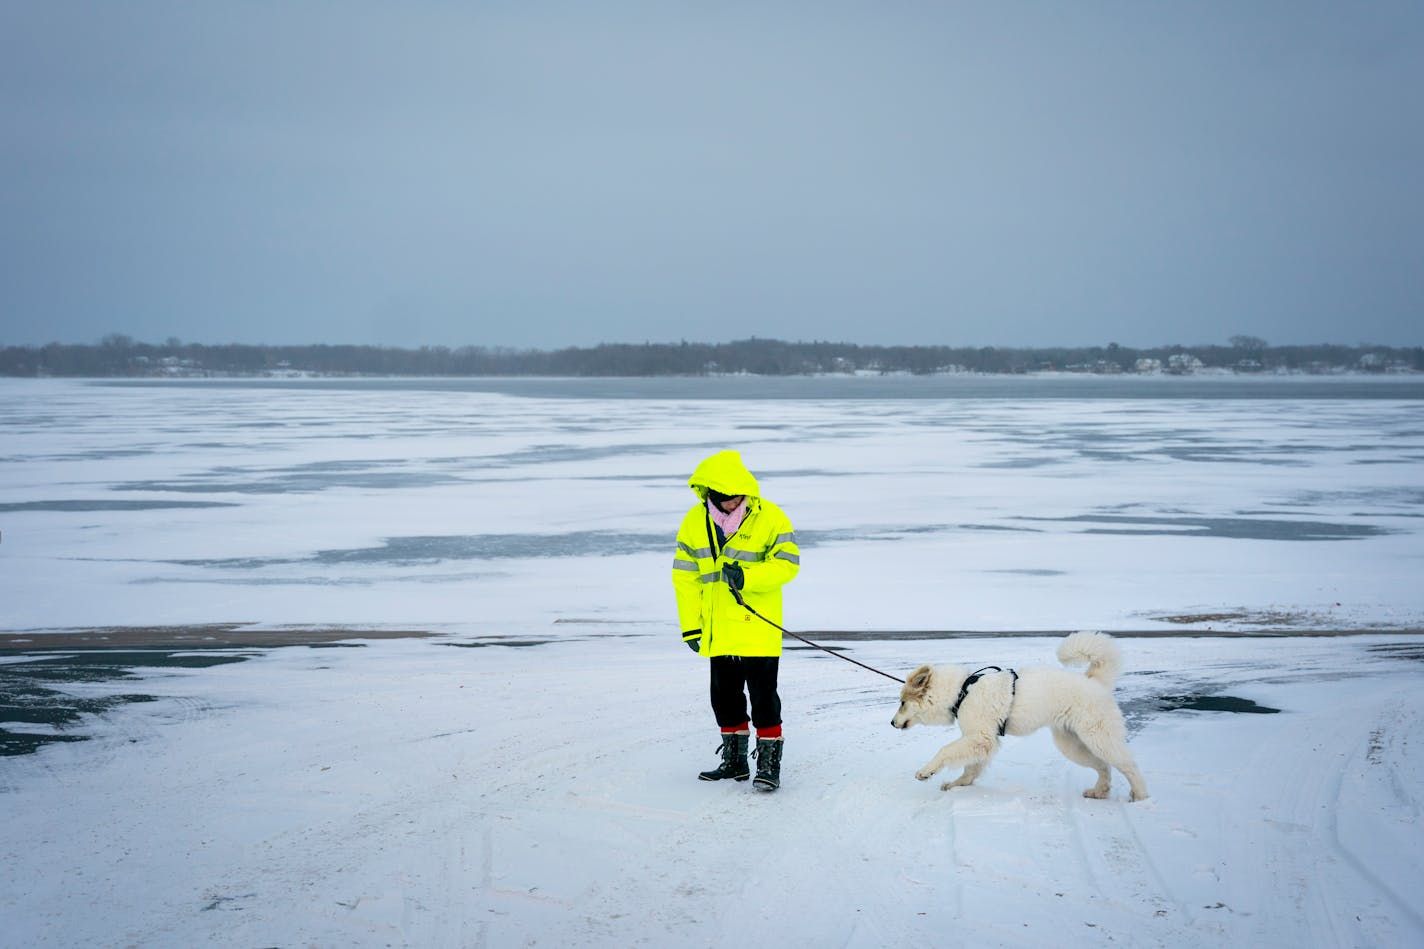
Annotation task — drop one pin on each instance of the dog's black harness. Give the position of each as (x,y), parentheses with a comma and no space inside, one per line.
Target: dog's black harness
(964,692)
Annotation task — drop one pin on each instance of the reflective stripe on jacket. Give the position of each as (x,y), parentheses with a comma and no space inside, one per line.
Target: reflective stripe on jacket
(764,546)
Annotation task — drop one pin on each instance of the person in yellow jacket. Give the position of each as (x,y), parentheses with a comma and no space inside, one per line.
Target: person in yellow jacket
(735,549)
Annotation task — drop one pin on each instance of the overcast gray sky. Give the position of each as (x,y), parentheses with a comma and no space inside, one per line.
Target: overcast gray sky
(542,175)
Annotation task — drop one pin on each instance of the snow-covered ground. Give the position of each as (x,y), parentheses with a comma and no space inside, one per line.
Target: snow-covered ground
(527,776)
(417,794)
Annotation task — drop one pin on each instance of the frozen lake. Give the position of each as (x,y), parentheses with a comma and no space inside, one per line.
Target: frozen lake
(523,776)
(509,506)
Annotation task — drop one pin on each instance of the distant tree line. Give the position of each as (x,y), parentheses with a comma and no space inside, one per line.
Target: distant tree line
(118,355)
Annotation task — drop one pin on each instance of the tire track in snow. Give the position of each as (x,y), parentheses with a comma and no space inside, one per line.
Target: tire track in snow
(1141,849)
(1333,888)
(1404,719)
(1119,863)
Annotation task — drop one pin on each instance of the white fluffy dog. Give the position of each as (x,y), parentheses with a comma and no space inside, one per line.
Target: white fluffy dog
(1087,724)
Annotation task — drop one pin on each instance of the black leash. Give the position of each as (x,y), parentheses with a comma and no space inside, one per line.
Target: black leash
(737,594)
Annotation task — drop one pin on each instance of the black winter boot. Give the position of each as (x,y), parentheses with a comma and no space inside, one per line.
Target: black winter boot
(768,756)
(734,759)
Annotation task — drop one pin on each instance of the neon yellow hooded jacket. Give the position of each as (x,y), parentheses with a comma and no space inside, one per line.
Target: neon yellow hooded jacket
(764,546)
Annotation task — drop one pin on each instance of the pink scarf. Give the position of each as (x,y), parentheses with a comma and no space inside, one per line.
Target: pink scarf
(729,522)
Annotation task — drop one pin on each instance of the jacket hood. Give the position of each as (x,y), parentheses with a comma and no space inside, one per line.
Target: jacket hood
(723,472)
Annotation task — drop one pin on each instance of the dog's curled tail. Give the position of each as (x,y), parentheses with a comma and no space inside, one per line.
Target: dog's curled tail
(1095,650)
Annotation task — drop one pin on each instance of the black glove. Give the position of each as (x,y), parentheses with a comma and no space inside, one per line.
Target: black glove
(693,638)
(733,576)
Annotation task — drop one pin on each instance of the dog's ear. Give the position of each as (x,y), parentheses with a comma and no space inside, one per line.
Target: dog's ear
(919,682)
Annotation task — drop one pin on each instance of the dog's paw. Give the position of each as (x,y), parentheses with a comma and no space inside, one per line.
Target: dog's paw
(1097,794)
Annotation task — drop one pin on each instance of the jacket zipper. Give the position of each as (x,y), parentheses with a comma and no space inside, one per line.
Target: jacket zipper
(716,555)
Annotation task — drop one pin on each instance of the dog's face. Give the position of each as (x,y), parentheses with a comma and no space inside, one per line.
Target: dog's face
(915,700)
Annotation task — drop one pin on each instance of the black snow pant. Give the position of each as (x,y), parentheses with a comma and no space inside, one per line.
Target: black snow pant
(733,678)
